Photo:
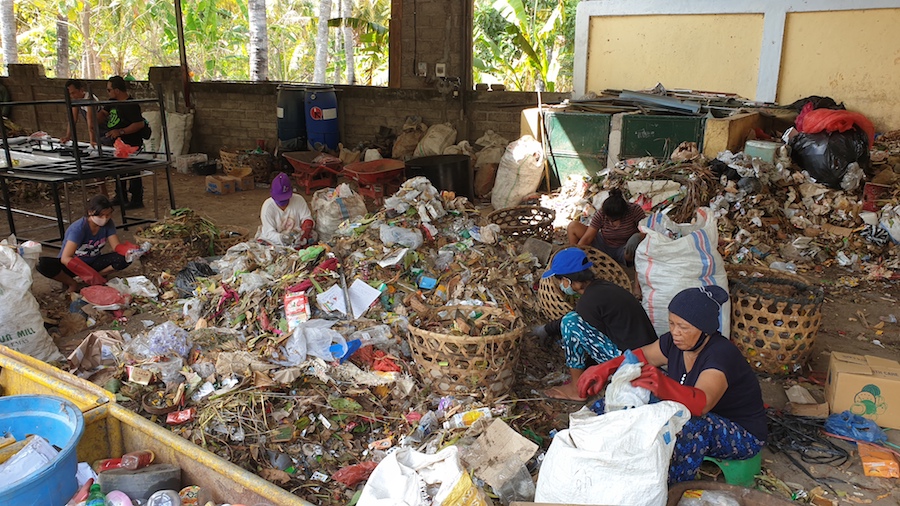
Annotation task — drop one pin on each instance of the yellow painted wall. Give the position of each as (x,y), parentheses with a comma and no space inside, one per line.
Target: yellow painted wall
(702,52)
(851,56)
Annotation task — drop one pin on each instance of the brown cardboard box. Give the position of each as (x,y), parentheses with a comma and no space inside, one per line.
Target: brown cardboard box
(866,385)
(245,183)
(219,185)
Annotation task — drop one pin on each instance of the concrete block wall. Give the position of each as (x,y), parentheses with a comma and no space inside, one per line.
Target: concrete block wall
(235,115)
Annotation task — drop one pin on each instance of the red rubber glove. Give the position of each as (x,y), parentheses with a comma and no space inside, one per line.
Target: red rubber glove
(124,247)
(668,389)
(85,272)
(594,378)
(306,226)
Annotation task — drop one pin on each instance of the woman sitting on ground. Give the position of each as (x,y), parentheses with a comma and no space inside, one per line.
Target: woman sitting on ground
(80,254)
(613,228)
(607,319)
(706,373)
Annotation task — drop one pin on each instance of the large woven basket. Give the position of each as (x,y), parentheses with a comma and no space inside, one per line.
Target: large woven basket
(228,237)
(556,304)
(751,271)
(482,366)
(774,322)
(239,163)
(524,221)
(164,254)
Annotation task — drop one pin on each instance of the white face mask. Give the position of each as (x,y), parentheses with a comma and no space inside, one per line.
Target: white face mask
(100,220)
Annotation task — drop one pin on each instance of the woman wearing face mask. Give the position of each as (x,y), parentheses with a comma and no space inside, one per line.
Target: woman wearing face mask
(706,373)
(80,254)
(607,320)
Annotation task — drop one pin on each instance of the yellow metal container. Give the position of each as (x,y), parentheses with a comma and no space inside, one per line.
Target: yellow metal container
(111,430)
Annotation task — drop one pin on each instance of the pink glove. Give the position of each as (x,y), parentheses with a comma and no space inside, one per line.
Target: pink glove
(594,378)
(668,389)
(85,272)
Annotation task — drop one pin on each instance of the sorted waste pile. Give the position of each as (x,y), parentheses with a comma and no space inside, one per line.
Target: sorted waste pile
(260,361)
(770,214)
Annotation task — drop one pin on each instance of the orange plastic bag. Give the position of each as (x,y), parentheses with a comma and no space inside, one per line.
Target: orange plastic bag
(878,462)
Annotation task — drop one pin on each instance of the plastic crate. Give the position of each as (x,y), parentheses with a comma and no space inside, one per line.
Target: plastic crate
(111,430)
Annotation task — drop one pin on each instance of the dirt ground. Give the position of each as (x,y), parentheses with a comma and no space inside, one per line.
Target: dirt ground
(850,317)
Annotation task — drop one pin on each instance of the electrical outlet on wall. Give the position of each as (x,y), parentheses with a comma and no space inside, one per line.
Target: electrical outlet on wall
(440,70)
(422,69)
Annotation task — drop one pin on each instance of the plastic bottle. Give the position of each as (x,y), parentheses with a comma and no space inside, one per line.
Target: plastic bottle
(137,460)
(96,497)
(372,335)
(466,419)
(107,464)
(164,498)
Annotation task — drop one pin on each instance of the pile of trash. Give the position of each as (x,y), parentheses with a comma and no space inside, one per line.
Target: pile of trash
(294,364)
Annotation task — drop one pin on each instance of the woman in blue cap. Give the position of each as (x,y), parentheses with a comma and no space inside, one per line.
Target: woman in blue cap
(286,220)
(607,319)
(706,373)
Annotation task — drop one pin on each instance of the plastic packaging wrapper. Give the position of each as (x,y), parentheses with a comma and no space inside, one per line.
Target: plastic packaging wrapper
(621,394)
(33,457)
(402,236)
(313,337)
(186,279)
(352,475)
(417,193)
(708,498)
(161,340)
(138,286)
(855,426)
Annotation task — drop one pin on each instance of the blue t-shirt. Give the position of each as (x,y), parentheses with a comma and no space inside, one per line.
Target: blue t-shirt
(742,401)
(89,245)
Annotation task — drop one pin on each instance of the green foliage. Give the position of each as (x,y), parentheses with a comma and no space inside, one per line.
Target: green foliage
(134,35)
(527,47)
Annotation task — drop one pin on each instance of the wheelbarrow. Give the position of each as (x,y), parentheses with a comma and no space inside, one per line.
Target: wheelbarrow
(375,176)
(313,169)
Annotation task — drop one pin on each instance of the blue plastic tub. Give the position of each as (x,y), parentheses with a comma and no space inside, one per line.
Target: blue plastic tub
(59,422)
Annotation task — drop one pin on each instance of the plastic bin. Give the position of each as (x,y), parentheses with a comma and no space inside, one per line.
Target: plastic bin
(58,421)
(446,172)
(291,118)
(111,430)
(322,130)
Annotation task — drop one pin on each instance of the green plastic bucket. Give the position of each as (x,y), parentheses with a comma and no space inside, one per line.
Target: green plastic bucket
(59,422)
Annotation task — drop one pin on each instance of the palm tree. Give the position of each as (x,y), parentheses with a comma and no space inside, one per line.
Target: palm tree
(8,32)
(321,65)
(259,41)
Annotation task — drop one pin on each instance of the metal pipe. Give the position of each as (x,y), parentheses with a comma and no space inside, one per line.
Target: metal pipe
(182,53)
(165,135)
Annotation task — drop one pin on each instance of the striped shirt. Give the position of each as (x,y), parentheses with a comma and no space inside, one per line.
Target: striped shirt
(616,235)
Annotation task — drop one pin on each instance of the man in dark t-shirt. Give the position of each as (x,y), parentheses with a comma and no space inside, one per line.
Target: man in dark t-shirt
(123,121)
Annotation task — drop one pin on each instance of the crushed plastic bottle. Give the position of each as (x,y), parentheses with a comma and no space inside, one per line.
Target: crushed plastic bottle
(378,334)
(784,267)
(461,420)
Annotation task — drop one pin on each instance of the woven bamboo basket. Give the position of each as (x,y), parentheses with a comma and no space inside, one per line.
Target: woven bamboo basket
(749,271)
(525,221)
(233,160)
(556,304)
(240,163)
(774,322)
(228,237)
(481,366)
(164,254)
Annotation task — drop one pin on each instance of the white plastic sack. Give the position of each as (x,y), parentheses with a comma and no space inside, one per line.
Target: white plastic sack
(180,127)
(411,238)
(520,172)
(21,323)
(312,337)
(405,478)
(331,206)
(676,256)
(436,139)
(619,458)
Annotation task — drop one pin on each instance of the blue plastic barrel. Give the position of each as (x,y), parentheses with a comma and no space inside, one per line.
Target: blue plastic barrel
(291,117)
(322,118)
(59,422)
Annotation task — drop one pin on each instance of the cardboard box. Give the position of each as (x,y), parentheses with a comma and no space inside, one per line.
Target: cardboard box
(866,385)
(245,183)
(219,185)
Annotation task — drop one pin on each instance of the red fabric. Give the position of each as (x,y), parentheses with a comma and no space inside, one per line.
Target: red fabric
(812,121)
(100,295)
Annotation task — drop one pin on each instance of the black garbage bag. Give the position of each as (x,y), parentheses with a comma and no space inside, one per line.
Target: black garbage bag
(817,102)
(718,167)
(186,279)
(826,155)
